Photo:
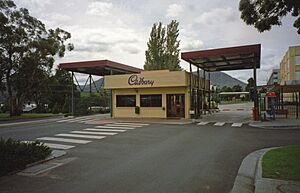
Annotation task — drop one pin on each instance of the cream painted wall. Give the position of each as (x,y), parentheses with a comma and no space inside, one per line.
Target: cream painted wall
(148,112)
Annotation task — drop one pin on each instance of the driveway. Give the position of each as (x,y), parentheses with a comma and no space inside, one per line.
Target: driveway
(150,158)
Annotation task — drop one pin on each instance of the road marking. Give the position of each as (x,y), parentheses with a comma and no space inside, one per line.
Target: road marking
(130,125)
(80,136)
(203,123)
(94,133)
(110,127)
(64,140)
(141,124)
(58,146)
(114,130)
(236,124)
(219,124)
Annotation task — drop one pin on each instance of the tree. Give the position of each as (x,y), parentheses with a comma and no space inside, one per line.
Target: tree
(237,88)
(263,14)
(27,51)
(172,46)
(250,88)
(163,50)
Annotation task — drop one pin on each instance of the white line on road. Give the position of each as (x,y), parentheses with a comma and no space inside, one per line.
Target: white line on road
(219,124)
(130,125)
(94,133)
(141,124)
(203,123)
(114,130)
(58,146)
(64,140)
(80,136)
(110,127)
(236,124)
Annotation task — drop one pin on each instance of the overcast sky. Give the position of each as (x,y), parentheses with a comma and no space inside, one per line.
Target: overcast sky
(118,30)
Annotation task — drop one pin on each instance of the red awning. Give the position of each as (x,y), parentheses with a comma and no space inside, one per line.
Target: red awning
(222,59)
(99,67)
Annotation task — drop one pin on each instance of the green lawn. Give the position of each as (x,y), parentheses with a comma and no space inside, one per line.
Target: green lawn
(282,163)
(6,117)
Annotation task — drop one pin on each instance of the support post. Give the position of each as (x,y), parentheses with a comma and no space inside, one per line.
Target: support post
(256,106)
(198,93)
(209,94)
(90,77)
(111,99)
(297,105)
(191,90)
(72,86)
(204,96)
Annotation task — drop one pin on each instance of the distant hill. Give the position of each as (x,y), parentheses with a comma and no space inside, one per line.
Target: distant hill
(222,79)
(217,78)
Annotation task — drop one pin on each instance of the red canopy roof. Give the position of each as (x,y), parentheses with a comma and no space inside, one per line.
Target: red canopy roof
(99,67)
(231,58)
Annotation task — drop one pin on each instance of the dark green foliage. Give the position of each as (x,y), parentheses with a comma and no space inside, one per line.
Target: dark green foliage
(15,155)
(263,14)
(237,88)
(86,101)
(163,47)
(27,52)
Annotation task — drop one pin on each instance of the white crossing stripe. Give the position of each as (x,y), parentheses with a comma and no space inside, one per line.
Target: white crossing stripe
(54,145)
(110,127)
(124,123)
(114,130)
(203,123)
(58,146)
(64,140)
(236,124)
(219,124)
(94,133)
(80,136)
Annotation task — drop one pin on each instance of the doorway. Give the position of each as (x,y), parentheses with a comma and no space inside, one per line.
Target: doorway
(175,106)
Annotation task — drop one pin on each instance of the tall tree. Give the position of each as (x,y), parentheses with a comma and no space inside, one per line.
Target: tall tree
(263,14)
(172,46)
(27,50)
(163,47)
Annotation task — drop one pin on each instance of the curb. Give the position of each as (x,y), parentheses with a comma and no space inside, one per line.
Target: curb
(275,126)
(54,154)
(248,171)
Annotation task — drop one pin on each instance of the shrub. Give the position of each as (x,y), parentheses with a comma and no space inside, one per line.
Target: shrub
(15,155)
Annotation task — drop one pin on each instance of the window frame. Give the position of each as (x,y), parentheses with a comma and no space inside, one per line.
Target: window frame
(125,104)
(151,104)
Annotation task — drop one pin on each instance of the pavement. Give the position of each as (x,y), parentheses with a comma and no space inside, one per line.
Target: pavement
(249,178)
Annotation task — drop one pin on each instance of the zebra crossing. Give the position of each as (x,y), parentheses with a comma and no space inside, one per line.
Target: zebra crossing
(220,124)
(65,141)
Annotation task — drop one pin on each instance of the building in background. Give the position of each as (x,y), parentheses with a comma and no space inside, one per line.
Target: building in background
(274,77)
(290,67)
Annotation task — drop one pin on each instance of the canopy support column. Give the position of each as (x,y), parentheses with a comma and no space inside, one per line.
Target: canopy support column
(209,94)
(72,86)
(198,93)
(204,97)
(191,91)
(256,105)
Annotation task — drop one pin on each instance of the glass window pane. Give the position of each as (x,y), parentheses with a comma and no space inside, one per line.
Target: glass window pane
(297,75)
(151,100)
(298,60)
(126,100)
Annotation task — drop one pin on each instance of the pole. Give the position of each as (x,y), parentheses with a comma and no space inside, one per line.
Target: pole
(209,94)
(111,99)
(204,97)
(191,90)
(297,105)
(198,93)
(72,93)
(90,77)
(256,108)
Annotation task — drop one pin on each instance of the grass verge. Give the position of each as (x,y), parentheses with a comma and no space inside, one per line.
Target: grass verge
(6,117)
(15,155)
(282,163)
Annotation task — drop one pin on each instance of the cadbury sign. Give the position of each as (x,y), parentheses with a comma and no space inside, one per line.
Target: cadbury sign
(135,80)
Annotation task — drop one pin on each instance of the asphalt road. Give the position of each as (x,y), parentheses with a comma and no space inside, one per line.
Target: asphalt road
(155,158)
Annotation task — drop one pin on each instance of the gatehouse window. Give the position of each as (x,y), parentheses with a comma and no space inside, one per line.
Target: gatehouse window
(126,100)
(154,100)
